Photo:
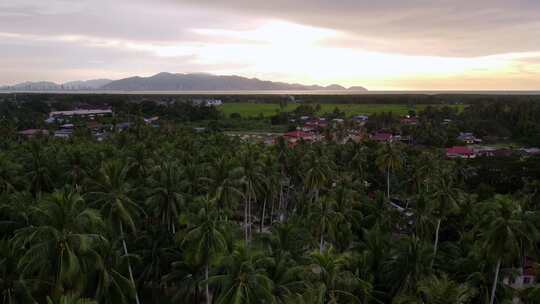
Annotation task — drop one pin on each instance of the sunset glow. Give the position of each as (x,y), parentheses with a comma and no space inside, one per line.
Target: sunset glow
(269,48)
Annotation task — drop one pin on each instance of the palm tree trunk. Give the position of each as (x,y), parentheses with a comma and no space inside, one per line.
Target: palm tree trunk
(129,263)
(207,290)
(436,241)
(262,218)
(246,219)
(272,213)
(388,182)
(321,242)
(495,281)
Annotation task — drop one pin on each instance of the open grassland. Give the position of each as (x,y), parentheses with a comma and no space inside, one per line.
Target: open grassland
(246,109)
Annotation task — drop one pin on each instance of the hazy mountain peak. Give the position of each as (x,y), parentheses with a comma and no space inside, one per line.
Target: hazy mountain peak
(207,82)
(166,81)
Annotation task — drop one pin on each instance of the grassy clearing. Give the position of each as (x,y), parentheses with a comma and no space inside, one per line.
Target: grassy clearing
(254,109)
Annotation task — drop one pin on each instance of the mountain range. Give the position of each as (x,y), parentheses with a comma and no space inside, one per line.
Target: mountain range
(175,82)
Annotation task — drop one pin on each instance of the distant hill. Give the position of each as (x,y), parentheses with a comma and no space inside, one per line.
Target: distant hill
(175,82)
(357,88)
(206,82)
(87,85)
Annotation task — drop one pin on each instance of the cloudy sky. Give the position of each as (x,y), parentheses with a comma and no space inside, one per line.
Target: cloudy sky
(383,44)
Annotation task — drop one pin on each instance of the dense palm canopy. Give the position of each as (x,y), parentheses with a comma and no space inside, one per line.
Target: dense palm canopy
(172,216)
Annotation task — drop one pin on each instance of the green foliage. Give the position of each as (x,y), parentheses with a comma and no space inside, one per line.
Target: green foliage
(173,216)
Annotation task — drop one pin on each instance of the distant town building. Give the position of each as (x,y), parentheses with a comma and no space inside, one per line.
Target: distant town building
(468,138)
(80,112)
(522,278)
(151,119)
(29,133)
(408,120)
(63,133)
(361,118)
(207,102)
(530,151)
(295,136)
(382,137)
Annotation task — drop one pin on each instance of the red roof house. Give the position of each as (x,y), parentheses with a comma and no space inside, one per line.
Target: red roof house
(460,152)
(298,135)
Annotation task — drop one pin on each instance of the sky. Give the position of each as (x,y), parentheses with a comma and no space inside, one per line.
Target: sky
(381,45)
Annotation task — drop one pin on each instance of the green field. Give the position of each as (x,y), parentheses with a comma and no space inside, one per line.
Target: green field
(255,109)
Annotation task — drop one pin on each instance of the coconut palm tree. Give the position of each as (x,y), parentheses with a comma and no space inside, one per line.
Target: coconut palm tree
(442,290)
(336,284)
(157,248)
(13,288)
(325,217)
(244,279)
(389,159)
(407,265)
(316,176)
(64,235)
(204,240)
(113,194)
(165,196)
(507,231)
(70,300)
(254,179)
(38,173)
(112,285)
(446,196)
(225,183)
(8,174)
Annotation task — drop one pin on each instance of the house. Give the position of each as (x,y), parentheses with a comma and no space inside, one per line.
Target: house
(29,133)
(67,126)
(63,133)
(409,121)
(361,118)
(151,119)
(295,136)
(94,125)
(530,151)
(91,113)
(468,138)
(460,152)
(123,126)
(382,137)
(522,277)
(208,102)
(493,152)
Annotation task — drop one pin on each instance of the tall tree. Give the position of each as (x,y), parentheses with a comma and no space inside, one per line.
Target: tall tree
(64,235)
(389,159)
(244,280)
(508,231)
(205,240)
(165,196)
(446,196)
(113,194)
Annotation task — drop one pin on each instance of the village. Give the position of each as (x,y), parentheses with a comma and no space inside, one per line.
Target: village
(307,129)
